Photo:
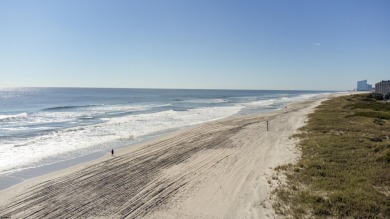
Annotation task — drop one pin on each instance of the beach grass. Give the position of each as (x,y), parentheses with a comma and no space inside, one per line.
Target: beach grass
(344,170)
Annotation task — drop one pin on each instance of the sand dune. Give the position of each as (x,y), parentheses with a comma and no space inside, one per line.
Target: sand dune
(221,169)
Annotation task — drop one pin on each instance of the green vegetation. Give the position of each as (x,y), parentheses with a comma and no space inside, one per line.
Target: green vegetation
(381,96)
(345,166)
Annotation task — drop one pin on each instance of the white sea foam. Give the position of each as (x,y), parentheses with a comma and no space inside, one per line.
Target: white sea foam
(206,101)
(63,144)
(47,117)
(281,100)
(261,102)
(13,116)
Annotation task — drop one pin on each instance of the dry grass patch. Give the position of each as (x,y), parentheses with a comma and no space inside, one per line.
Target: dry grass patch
(345,166)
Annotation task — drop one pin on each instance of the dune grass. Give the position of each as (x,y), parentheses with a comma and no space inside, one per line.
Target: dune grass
(344,171)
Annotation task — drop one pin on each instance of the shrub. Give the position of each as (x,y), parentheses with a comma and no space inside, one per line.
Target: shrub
(387,96)
(378,96)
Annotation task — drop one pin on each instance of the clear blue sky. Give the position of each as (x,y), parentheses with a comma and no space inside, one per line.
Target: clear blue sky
(218,44)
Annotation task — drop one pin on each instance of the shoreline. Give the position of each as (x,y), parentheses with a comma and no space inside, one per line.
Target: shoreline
(17,177)
(152,150)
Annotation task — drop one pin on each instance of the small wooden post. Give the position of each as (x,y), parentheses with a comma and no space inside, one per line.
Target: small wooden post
(267,125)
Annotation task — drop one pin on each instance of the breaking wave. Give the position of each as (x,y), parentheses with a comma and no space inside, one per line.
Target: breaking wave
(13,116)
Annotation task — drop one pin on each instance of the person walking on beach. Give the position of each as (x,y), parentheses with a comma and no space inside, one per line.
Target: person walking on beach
(112,152)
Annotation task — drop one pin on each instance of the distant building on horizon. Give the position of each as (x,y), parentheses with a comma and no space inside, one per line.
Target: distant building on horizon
(382,87)
(363,86)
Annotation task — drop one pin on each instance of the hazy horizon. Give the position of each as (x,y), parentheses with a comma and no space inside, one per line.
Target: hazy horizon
(157,88)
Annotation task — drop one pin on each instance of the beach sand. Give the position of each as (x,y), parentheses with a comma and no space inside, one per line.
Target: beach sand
(220,169)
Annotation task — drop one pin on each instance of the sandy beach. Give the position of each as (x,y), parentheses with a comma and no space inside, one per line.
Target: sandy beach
(220,169)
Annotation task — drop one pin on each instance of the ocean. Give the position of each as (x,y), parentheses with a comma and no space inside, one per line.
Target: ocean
(42,126)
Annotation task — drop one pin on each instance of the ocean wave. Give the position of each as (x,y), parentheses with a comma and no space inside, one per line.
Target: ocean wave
(261,102)
(13,116)
(300,97)
(68,107)
(280,100)
(206,101)
(95,137)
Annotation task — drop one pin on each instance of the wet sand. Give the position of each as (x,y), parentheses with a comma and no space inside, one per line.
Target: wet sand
(220,169)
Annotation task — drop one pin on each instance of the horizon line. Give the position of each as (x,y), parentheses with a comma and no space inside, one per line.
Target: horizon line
(157,88)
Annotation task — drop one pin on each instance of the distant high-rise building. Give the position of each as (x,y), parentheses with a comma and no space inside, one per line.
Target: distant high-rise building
(382,87)
(363,86)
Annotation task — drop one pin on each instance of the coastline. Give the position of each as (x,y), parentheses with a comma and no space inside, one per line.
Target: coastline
(23,175)
(20,176)
(195,159)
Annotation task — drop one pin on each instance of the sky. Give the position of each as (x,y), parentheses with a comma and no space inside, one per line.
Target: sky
(197,44)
